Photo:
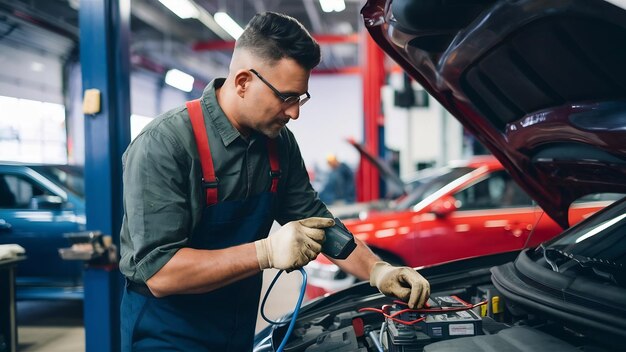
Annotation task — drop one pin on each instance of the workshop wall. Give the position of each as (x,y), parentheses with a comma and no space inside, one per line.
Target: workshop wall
(334,113)
(423,135)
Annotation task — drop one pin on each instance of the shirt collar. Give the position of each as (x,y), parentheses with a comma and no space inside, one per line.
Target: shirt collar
(226,130)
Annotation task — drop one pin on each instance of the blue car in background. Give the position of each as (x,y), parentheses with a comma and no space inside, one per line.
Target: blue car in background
(39,204)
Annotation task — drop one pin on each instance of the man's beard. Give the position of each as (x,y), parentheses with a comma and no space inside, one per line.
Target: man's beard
(272,131)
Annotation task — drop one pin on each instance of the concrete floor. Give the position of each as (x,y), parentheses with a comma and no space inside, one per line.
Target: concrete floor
(50,326)
(58,326)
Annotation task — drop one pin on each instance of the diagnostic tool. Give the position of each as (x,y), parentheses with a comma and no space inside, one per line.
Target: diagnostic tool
(339,241)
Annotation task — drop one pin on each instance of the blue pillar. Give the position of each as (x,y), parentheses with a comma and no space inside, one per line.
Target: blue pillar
(104,57)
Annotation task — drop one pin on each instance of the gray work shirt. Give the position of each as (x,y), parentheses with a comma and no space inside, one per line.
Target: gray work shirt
(163,197)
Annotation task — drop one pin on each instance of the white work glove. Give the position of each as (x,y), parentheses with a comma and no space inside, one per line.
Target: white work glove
(293,245)
(402,282)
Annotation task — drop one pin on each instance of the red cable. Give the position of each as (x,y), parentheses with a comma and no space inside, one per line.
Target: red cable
(384,311)
(376,310)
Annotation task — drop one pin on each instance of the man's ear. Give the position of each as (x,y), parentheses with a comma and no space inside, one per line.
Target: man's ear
(242,82)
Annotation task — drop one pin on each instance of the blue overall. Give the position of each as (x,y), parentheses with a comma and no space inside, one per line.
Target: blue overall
(220,320)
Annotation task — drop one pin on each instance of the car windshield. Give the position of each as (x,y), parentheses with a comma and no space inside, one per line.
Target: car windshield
(431,183)
(599,244)
(69,177)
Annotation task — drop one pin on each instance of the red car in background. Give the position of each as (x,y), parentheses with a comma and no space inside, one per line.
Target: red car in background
(466,210)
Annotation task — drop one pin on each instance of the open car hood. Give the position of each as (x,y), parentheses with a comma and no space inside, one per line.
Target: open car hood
(541,83)
(386,172)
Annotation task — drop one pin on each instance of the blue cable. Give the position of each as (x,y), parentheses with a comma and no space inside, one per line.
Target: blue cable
(296,310)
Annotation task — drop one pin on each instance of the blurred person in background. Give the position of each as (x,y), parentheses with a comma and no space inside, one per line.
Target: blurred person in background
(339,187)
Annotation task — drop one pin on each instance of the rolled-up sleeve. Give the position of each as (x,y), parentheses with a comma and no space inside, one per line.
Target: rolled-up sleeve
(156,202)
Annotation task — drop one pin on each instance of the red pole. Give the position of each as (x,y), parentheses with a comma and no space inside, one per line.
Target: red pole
(373,72)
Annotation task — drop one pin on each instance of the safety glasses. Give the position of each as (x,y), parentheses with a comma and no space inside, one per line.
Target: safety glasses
(287,98)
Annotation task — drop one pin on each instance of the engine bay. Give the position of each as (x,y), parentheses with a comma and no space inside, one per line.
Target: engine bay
(475,318)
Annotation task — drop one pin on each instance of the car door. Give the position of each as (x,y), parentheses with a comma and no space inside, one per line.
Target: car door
(39,231)
(492,215)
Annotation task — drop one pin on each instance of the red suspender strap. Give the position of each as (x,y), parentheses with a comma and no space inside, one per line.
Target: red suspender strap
(274,163)
(209,181)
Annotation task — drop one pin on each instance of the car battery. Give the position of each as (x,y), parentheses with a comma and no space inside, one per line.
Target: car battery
(450,324)
(434,327)
(405,338)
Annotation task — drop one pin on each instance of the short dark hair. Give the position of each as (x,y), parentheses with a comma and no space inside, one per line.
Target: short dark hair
(273,36)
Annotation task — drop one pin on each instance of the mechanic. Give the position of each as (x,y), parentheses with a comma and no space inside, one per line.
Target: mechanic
(203,184)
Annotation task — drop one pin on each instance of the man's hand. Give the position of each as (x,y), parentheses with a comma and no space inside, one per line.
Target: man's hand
(294,245)
(401,282)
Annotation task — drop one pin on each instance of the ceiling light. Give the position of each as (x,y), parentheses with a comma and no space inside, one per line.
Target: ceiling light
(179,79)
(327,5)
(182,8)
(340,5)
(332,5)
(228,24)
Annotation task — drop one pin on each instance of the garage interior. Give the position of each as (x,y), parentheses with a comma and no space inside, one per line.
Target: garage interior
(79,80)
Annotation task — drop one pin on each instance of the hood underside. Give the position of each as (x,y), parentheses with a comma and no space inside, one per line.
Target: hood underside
(541,83)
